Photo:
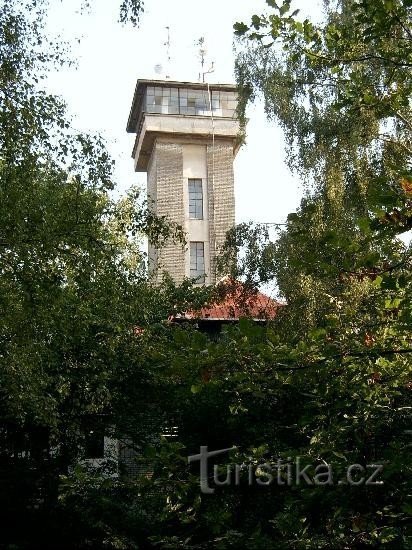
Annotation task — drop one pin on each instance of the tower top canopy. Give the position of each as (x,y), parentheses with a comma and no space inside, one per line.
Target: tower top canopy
(181,98)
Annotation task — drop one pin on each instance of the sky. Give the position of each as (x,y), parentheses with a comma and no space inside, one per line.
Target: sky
(111,57)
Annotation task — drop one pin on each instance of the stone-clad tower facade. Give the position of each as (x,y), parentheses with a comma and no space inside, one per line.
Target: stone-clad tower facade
(187,136)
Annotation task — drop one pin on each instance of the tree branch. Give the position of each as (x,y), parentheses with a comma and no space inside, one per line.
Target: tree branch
(369,353)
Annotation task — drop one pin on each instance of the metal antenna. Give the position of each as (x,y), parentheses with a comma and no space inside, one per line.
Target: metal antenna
(210,70)
(168,58)
(202,56)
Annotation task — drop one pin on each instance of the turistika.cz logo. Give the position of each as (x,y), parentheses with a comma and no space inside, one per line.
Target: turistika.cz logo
(281,473)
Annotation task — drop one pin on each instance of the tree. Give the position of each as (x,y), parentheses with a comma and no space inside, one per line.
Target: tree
(73,283)
(341,91)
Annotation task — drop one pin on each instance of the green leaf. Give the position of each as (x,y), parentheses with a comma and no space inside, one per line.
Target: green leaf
(318,333)
(389,282)
(240,29)
(389,4)
(150,452)
(284,9)
(407,508)
(364,225)
(256,22)
(378,281)
(402,281)
(299,26)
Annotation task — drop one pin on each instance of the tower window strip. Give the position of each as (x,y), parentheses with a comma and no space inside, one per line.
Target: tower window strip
(195,199)
(197,261)
(186,101)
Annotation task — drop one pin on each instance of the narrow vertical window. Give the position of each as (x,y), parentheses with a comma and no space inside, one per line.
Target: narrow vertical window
(94,432)
(195,199)
(197,261)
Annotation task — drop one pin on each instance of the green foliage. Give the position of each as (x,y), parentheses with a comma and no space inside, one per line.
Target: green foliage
(73,285)
(322,399)
(83,333)
(131,10)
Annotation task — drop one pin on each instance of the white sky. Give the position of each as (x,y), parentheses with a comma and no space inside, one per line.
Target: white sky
(111,57)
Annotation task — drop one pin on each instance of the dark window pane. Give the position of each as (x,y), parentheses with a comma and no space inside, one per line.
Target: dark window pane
(94,439)
(195,199)
(197,263)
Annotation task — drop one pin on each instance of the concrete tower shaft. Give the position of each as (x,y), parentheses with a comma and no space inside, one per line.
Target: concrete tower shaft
(187,136)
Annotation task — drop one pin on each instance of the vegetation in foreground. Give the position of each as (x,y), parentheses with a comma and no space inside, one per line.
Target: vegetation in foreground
(329,381)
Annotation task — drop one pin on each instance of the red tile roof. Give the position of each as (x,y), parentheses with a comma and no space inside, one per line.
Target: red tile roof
(237,300)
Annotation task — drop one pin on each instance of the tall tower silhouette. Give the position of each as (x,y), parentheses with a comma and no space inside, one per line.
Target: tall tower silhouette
(187,136)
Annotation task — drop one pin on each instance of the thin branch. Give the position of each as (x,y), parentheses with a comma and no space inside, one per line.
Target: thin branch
(391,141)
(370,353)
(348,61)
(404,120)
(405,27)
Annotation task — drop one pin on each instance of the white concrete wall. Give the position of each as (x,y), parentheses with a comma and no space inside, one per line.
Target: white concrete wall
(193,127)
(195,166)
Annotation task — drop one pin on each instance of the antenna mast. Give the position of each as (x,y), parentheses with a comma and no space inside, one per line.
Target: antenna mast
(168,58)
(202,56)
(159,67)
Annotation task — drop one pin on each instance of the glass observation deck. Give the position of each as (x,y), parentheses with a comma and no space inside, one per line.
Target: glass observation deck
(189,101)
(181,109)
